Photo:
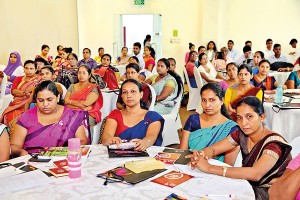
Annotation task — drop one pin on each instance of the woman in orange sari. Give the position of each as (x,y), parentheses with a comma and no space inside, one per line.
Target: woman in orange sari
(22,88)
(85,95)
(149,58)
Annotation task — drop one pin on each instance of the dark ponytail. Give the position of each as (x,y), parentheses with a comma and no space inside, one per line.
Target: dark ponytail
(177,78)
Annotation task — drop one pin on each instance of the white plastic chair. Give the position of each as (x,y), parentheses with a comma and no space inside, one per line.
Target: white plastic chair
(148,74)
(295,143)
(153,94)
(64,90)
(194,94)
(200,84)
(95,135)
(3,86)
(2,67)
(172,122)
(4,99)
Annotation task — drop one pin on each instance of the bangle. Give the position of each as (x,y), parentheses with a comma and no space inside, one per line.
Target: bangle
(149,142)
(224,170)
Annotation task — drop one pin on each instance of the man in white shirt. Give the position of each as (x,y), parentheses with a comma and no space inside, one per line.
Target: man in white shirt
(137,52)
(269,52)
(246,58)
(277,57)
(233,53)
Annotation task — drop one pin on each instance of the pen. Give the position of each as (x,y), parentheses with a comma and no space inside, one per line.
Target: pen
(220,195)
(21,166)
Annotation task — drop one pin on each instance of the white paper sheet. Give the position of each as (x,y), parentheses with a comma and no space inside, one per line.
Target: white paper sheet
(9,171)
(23,181)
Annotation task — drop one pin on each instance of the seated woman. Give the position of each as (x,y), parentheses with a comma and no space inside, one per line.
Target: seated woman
(293,81)
(234,94)
(68,74)
(135,60)
(124,58)
(48,124)
(187,55)
(135,123)
(231,69)
(211,50)
(132,72)
(21,89)
(207,70)
(46,74)
(288,185)
(257,58)
(44,54)
(190,66)
(4,143)
(167,87)
(85,96)
(13,69)
(265,154)
(149,58)
(202,130)
(262,80)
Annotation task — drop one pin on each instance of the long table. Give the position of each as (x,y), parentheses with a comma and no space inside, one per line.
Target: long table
(88,186)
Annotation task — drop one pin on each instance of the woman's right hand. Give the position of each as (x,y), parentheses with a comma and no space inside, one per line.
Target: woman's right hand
(113,140)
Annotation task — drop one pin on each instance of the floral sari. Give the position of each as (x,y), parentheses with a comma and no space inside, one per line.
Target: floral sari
(17,106)
(82,95)
(52,135)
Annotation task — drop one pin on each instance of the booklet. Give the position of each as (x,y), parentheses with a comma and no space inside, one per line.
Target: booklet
(167,158)
(50,152)
(181,160)
(117,153)
(174,196)
(122,174)
(172,179)
(287,105)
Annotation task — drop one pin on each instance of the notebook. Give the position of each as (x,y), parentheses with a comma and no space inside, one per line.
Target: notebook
(181,160)
(122,174)
(117,153)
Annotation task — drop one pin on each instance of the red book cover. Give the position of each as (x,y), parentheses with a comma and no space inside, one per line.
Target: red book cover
(172,179)
(61,163)
(58,172)
(167,158)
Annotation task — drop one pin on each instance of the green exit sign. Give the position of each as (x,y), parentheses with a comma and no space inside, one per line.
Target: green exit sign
(139,2)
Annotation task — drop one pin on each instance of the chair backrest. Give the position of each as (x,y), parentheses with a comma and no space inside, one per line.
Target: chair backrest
(64,90)
(175,109)
(153,95)
(295,143)
(198,78)
(3,86)
(187,77)
(148,74)
(2,67)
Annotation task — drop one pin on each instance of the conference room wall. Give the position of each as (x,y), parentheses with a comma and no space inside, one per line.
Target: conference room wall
(96,23)
(27,25)
(254,20)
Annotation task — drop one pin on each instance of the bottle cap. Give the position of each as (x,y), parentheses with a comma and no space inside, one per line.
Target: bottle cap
(74,144)
(279,86)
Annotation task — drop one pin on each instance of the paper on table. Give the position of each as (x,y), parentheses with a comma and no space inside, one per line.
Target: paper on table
(23,181)
(296,100)
(9,171)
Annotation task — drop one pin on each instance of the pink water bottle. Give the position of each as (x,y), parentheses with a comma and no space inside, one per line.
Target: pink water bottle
(74,158)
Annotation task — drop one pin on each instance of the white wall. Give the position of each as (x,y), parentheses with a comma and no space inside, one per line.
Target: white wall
(96,23)
(27,25)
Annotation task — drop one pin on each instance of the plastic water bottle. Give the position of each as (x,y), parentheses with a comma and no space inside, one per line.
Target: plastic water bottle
(278,94)
(74,158)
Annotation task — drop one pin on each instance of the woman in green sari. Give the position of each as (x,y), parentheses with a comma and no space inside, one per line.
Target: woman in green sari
(202,130)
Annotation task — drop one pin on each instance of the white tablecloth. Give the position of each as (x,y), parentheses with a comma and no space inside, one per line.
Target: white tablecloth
(285,122)
(280,77)
(91,187)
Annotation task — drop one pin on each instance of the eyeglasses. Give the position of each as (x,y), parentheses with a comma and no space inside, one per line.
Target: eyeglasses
(194,55)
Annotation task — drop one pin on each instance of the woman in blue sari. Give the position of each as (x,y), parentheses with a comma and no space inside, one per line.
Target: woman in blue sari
(202,130)
(134,123)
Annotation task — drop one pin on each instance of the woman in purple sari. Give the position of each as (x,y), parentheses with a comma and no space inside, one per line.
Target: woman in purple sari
(265,154)
(48,124)
(14,68)
(134,123)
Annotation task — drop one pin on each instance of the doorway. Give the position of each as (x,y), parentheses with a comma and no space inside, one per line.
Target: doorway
(134,28)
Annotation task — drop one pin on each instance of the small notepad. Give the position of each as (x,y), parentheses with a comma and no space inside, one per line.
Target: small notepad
(144,165)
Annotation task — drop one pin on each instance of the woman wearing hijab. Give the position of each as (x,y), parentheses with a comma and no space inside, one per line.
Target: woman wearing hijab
(13,69)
